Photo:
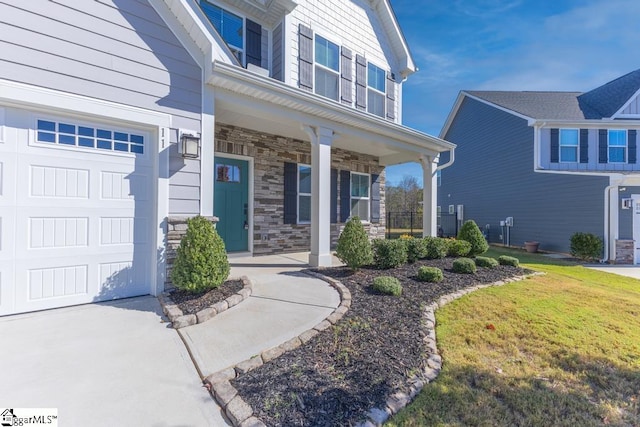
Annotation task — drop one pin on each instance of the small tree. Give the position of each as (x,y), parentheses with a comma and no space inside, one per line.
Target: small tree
(354,248)
(472,234)
(201,260)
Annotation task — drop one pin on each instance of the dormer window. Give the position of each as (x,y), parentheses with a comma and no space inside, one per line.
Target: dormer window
(228,25)
(376,79)
(327,68)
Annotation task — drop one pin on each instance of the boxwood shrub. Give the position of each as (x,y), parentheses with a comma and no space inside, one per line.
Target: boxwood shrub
(464,266)
(483,261)
(387,285)
(416,249)
(389,253)
(436,247)
(586,246)
(458,248)
(508,260)
(353,247)
(430,274)
(472,234)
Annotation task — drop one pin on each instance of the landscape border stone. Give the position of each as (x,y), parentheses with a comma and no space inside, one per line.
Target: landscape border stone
(179,320)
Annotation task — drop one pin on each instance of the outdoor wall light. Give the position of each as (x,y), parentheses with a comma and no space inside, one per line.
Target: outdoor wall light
(190,145)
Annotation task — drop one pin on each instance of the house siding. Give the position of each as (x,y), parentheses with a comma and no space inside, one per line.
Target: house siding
(277,60)
(119,51)
(269,153)
(625,216)
(493,178)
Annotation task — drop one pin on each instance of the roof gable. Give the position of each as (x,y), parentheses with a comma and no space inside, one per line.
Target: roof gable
(611,98)
(394,34)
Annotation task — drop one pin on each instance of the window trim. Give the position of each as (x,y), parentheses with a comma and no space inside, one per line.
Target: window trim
(233,48)
(299,193)
(625,147)
(368,198)
(576,146)
(337,72)
(377,91)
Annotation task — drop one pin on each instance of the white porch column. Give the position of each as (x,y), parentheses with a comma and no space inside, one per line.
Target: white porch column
(429,195)
(321,139)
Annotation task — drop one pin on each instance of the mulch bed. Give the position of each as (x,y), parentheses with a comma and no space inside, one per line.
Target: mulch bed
(191,303)
(340,374)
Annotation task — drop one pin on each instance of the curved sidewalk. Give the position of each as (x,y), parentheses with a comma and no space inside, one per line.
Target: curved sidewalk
(284,303)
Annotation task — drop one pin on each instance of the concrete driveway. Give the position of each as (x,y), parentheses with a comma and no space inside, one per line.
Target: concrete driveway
(621,270)
(107,364)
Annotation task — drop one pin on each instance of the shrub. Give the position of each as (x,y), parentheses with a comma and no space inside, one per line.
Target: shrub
(430,274)
(464,266)
(586,246)
(436,247)
(353,247)
(201,260)
(483,261)
(416,249)
(387,285)
(472,234)
(458,248)
(508,260)
(389,253)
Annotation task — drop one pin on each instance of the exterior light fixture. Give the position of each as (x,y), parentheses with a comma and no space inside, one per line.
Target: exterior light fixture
(190,145)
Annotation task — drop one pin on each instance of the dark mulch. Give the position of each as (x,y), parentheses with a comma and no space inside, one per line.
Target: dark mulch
(335,378)
(192,303)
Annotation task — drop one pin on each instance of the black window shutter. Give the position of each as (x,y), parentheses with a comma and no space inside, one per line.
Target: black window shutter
(555,145)
(345,195)
(346,76)
(375,199)
(633,150)
(254,43)
(602,146)
(584,146)
(361,82)
(334,196)
(290,193)
(391,97)
(305,58)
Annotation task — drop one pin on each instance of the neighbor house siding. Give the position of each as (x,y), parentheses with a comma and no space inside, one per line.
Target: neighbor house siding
(115,50)
(625,216)
(493,178)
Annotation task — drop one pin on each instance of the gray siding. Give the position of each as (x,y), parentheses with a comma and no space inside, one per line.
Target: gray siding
(493,178)
(276,68)
(625,216)
(116,50)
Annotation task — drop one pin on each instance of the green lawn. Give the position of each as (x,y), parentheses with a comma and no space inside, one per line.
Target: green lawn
(565,351)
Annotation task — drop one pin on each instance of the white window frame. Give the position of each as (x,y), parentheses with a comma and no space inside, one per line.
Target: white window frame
(439,177)
(383,93)
(577,146)
(299,193)
(352,197)
(625,147)
(325,68)
(234,49)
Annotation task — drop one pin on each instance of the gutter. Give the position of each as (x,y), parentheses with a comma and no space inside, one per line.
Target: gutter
(452,158)
(607,203)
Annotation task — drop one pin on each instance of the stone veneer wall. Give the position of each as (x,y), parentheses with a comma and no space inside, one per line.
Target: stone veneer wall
(270,152)
(624,252)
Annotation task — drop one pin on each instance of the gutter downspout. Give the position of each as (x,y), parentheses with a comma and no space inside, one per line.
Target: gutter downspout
(607,207)
(452,157)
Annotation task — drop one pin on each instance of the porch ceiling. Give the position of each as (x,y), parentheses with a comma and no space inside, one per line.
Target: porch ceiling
(248,100)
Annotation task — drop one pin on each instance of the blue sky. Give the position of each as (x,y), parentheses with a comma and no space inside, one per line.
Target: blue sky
(567,45)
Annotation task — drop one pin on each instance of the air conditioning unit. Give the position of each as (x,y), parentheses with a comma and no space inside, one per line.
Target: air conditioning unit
(509,221)
(627,203)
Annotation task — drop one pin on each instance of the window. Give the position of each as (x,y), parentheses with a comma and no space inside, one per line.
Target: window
(360,195)
(228,25)
(376,79)
(227,173)
(569,145)
(304,194)
(617,146)
(327,68)
(74,135)
(439,177)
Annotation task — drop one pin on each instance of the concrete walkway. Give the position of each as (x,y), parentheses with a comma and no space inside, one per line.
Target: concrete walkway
(284,303)
(621,270)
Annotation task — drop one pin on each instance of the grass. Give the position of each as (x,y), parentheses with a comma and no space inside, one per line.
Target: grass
(558,349)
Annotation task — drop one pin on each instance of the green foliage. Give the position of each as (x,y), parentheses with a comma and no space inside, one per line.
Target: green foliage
(389,253)
(472,234)
(201,260)
(483,261)
(458,248)
(354,248)
(416,249)
(437,247)
(586,246)
(387,285)
(464,266)
(508,260)
(430,274)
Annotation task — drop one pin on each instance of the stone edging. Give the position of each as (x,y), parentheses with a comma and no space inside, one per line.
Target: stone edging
(237,410)
(179,320)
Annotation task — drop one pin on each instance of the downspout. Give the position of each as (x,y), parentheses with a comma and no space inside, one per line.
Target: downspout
(607,207)
(452,157)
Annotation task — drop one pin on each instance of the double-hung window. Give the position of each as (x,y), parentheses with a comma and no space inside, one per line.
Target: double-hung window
(304,194)
(376,80)
(360,195)
(569,145)
(228,25)
(327,68)
(617,146)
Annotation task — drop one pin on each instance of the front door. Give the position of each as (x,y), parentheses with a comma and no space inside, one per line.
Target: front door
(231,191)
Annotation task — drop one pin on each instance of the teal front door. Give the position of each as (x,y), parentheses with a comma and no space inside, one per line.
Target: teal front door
(231,204)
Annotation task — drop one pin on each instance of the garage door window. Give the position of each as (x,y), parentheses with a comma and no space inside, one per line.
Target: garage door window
(70,134)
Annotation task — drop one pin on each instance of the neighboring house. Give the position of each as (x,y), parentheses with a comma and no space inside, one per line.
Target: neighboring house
(119,119)
(556,162)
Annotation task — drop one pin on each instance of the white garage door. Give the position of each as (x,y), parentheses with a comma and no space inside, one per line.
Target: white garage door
(76,208)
